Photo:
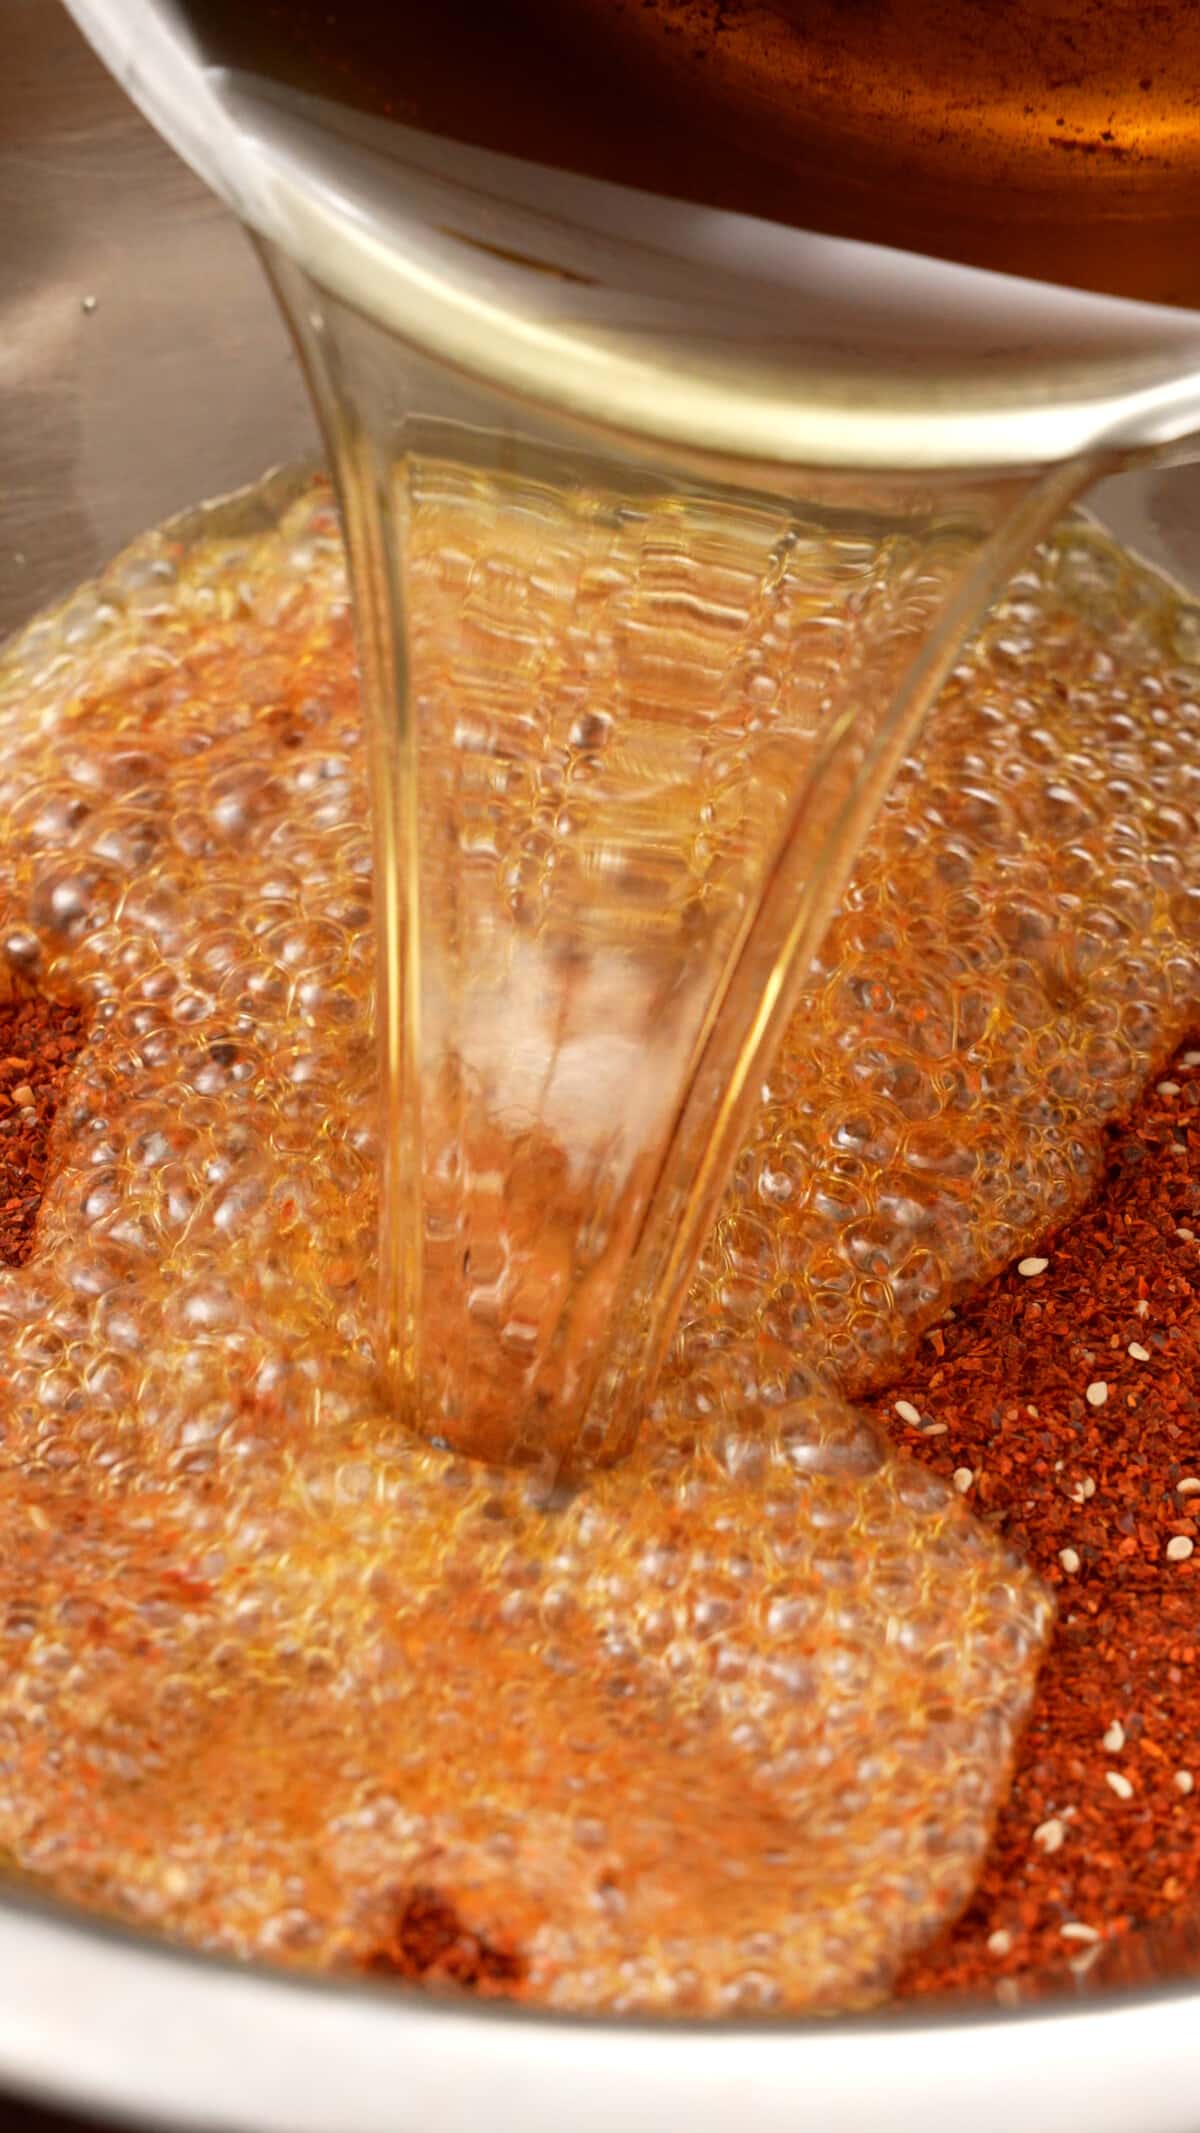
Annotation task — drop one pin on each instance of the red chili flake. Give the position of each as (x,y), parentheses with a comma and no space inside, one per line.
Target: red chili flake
(39,1039)
(427,1939)
(1096,1485)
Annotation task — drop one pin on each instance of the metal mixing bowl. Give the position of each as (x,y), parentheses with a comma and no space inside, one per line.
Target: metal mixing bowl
(142,367)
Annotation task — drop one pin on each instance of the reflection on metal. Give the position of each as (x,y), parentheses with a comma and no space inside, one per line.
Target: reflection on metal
(142,363)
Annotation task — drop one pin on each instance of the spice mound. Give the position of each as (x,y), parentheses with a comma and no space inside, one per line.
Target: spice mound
(1098,1839)
(39,1040)
(727,1726)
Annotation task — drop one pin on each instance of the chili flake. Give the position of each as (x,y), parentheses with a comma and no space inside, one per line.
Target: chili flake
(39,1037)
(1006,1378)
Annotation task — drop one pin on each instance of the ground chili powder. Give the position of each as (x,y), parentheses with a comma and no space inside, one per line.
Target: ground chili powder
(39,1038)
(1065,1402)
(426,1938)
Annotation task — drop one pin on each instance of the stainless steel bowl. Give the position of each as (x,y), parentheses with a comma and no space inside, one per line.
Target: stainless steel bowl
(141,367)
(142,362)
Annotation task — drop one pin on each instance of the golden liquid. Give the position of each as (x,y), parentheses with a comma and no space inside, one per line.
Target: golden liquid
(1056,138)
(725,1727)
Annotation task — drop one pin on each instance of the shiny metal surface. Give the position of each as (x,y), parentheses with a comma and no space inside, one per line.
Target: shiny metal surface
(142,362)
(90,2016)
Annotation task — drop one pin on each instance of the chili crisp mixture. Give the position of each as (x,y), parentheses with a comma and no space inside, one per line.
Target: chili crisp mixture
(729,1725)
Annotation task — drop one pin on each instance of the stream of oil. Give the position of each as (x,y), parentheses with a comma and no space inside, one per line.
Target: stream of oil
(626,734)
(724,1727)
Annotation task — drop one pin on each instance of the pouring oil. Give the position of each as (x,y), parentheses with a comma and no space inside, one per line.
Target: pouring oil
(723,1727)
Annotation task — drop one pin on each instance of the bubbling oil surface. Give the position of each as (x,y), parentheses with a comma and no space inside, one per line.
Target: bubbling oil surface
(725,1727)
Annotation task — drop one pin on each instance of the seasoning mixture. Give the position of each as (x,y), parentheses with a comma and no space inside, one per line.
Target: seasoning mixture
(39,1041)
(1065,1403)
(283,1681)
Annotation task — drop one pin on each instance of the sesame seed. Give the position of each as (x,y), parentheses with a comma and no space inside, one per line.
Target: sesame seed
(907,1412)
(1069,1560)
(1168,1088)
(1179,1547)
(1189,1486)
(963,1477)
(1089,1487)
(1049,1835)
(1184,1782)
(1191,1059)
(1030,1267)
(1190,1234)
(1114,1739)
(999,1942)
(1097,1393)
(935,1429)
(1075,1930)
(1117,1782)
(23,1095)
(1142,1307)
(1139,1354)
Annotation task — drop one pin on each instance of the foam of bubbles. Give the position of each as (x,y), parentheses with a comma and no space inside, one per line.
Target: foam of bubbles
(726,1727)
(1019,949)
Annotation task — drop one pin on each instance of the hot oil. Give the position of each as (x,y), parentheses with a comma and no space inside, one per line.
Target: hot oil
(723,1726)
(574,1018)
(1058,141)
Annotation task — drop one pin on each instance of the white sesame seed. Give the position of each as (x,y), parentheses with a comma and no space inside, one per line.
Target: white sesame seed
(1030,1267)
(1189,1486)
(1075,1930)
(1142,1307)
(1114,1739)
(1191,1059)
(1069,1560)
(1179,1547)
(999,1942)
(1117,1782)
(907,1412)
(1190,1234)
(935,1429)
(1049,1835)
(1168,1088)
(1139,1354)
(1089,1488)
(1184,1782)
(963,1477)
(1097,1393)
